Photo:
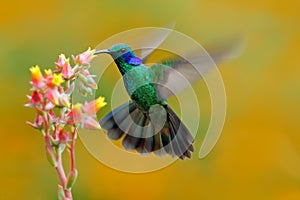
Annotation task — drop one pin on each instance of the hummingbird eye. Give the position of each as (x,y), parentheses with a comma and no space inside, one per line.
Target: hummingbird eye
(123,50)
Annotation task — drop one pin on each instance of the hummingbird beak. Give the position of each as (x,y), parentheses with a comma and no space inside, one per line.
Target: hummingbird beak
(102,51)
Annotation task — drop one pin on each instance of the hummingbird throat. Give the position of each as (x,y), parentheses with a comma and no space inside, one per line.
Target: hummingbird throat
(131,59)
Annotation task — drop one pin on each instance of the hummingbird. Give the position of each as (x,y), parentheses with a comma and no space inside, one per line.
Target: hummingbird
(147,123)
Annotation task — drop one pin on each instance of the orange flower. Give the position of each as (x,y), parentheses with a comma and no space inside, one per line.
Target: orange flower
(36,76)
(48,73)
(93,107)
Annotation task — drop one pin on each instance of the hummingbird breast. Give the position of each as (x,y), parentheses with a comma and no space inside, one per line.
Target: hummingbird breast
(140,87)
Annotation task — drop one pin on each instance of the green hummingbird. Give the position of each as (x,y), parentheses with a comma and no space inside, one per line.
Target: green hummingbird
(147,123)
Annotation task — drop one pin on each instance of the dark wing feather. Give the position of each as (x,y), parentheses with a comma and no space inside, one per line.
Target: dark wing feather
(135,125)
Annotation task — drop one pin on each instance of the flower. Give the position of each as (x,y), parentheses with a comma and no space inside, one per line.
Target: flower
(67,70)
(55,80)
(85,58)
(63,136)
(36,76)
(36,97)
(52,117)
(91,123)
(62,60)
(57,118)
(49,106)
(100,102)
(75,114)
(38,122)
(53,96)
(92,107)
(48,73)
(64,64)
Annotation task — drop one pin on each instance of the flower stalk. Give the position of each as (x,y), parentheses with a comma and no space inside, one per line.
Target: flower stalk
(57,118)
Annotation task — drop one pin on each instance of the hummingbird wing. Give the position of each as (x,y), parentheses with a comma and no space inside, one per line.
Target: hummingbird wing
(174,75)
(151,40)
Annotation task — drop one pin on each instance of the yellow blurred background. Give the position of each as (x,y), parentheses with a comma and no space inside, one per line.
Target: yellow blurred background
(258,154)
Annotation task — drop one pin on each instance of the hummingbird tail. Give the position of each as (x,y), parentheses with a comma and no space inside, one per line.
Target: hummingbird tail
(140,133)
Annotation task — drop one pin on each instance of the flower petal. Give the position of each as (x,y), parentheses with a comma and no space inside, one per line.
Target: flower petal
(36,76)
(85,58)
(91,123)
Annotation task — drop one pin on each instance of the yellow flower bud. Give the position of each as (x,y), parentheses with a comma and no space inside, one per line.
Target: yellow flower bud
(36,76)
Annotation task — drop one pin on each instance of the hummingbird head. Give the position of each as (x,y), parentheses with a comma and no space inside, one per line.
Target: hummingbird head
(122,53)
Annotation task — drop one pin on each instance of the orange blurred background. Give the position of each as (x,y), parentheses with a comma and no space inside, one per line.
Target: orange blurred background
(258,154)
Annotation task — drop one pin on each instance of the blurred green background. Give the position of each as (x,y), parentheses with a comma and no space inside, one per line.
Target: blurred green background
(258,154)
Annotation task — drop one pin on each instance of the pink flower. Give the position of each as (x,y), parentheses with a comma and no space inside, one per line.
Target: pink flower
(63,136)
(93,107)
(91,123)
(75,114)
(38,122)
(36,76)
(53,96)
(62,60)
(57,118)
(36,97)
(85,58)
(67,70)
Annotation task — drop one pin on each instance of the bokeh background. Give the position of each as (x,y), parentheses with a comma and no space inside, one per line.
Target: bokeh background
(258,154)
